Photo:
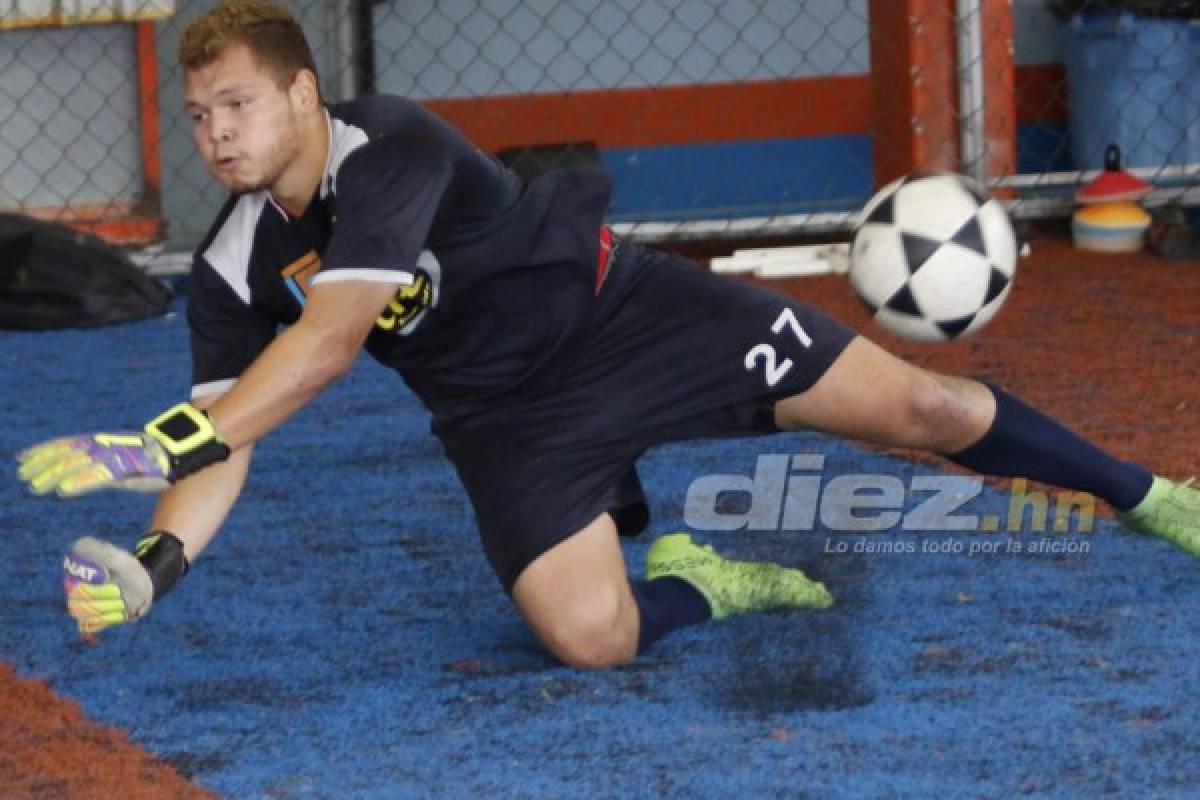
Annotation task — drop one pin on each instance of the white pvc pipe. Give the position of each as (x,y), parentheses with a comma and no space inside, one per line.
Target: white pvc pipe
(734,228)
(1036,179)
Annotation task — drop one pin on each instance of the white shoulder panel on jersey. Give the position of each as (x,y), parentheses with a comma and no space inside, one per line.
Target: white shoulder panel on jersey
(229,253)
(344,139)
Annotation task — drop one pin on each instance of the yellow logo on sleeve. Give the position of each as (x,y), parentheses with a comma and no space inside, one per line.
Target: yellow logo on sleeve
(411,302)
(407,303)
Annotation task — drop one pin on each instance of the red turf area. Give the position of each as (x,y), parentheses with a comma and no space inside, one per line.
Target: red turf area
(49,750)
(1106,343)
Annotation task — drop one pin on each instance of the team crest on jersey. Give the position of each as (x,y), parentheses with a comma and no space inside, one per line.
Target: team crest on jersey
(408,306)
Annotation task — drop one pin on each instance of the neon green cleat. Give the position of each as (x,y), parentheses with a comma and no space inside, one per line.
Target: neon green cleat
(733,587)
(1169,511)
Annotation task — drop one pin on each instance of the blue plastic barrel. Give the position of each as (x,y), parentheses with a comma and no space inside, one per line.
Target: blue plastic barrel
(1130,83)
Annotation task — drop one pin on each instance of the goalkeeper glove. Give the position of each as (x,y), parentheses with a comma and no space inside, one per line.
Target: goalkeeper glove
(107,586)
(177,443)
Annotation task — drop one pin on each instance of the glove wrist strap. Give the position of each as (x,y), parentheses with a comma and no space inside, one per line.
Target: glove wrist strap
(188,438)
(161,554)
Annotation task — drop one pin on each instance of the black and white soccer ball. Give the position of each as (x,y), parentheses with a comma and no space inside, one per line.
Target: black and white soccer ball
(933,257)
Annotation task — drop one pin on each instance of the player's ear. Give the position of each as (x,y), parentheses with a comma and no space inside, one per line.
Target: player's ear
(305,92)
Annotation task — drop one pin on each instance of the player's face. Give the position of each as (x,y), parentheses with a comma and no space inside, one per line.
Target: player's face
(243,123)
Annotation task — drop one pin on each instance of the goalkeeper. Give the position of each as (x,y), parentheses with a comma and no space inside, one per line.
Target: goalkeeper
(550,357)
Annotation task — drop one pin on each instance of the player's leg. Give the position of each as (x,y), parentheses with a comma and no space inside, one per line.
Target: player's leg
(835,381)
(578,600)
(573,590)
(871,395)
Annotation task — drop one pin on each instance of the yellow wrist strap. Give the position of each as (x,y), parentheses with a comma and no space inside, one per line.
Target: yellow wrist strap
(187,435)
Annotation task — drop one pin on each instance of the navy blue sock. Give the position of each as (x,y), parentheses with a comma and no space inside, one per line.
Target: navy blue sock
(665,604)
(1025,442)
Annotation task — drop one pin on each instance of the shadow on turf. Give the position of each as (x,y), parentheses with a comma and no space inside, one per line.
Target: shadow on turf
(808,661)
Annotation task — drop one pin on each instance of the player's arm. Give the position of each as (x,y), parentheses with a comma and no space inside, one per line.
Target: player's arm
(303,360)
(389,192)
(106,585)
(193,509)
(184,440)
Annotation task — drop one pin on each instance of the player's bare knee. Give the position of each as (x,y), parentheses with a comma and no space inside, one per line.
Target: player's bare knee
(596,653)
(592,634)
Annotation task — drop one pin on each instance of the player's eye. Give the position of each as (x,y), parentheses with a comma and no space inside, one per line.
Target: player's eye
(197,117)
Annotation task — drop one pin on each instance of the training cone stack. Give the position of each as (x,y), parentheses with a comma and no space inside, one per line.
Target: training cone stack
(1111,220)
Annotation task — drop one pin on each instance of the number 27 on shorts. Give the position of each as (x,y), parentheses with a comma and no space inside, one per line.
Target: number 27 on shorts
(764,354)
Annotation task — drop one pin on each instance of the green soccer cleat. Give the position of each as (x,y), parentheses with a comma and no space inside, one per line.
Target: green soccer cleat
(1169,511)
(733,587)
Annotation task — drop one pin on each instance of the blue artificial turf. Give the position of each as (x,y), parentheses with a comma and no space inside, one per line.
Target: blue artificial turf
(344,637)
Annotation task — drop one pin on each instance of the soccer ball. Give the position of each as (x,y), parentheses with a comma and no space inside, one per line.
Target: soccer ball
(934,257)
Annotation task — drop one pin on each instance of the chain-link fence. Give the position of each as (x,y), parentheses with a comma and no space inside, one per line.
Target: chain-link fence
(714,116)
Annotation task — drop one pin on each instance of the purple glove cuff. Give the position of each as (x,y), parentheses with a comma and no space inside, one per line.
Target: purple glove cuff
(121,460)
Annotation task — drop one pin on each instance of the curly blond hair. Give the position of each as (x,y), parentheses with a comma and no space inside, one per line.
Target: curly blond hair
(268,29)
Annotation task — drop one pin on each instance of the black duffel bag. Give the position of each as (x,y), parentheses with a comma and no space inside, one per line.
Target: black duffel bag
(52,276)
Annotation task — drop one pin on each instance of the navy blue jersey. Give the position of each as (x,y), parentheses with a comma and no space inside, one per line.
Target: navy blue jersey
(495,279)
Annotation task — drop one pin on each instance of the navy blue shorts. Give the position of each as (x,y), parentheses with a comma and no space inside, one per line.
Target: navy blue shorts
(680,353)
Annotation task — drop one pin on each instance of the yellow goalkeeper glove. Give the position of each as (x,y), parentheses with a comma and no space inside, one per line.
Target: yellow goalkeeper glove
(175,444)
(108,586)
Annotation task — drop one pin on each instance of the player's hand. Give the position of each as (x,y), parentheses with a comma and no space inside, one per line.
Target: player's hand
(75,465)
(177,443)
(104,585)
